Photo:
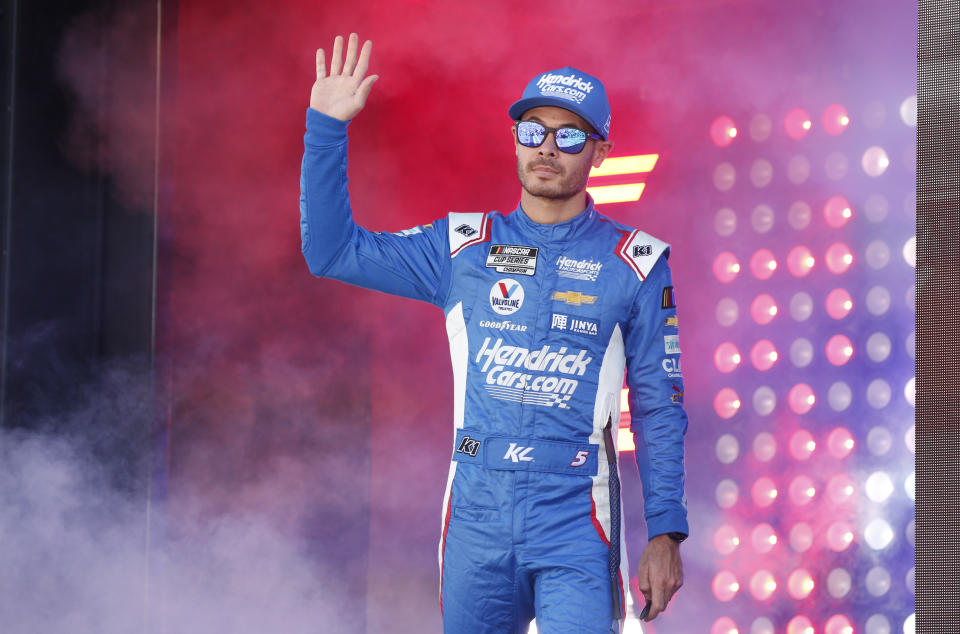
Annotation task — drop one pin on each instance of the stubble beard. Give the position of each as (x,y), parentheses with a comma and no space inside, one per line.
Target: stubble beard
(566,187)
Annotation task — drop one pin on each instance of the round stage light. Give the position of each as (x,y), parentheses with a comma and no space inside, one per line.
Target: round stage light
(801,398)
(838,624)
(878,347)
(800,261)
(908,111)
(801,306)
(802,490)
(763,538)
(910,486)
(875,161)
(877,624)
(763,309)
(797,123)
(724,176)
(878,581)
(726,403)
(726,267)
(876,207)
(764,492)
(726,540)
(909,438)
(839,303)
(877,254)
(802,444)
(839,349)
(838,258)
(839,536)
(800,625)
(764,447)
(763,355)
(799,215)
(798,169)
(839,583)
(879,440)
(910,391)
(910,624)
(878,393)
(910,345)
(835,119)
(840,443)
(878,300)
(911,580)
(727,493)
(839,396)
(763,264)
(837,211)
(801,537)
(727,448)
(879,486)
(800,583)
(725,585)
(725,222)
(762,625)
(801,352)
(840,488)
(760,127)
(761,173)
(727,312)
(835,166)
(878,534)
(910,252)
(723,131)
(726,357)
(764,400)
(762,218)
(724,625)
(910,532)
(762,585)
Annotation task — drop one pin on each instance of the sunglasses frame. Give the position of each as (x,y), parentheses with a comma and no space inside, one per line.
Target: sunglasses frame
(548,130)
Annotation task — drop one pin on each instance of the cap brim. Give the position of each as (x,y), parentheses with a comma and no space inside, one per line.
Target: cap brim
(519,107)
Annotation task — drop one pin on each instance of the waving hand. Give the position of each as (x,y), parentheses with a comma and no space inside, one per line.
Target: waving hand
(343,92)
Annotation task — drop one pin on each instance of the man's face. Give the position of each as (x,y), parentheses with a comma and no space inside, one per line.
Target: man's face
(547,172)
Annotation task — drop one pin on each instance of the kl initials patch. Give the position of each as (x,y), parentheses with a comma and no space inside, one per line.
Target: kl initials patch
(642,250)
(468,446)
(667,301)
(508,258)
(466,230)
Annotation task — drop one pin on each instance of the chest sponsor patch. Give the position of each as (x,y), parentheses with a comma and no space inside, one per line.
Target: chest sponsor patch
(671,365)
(671,344)
(503,324)
(576,325)
(677,396)
(578,269)
(672,322)
(574,298)
(506,297)
(508,258)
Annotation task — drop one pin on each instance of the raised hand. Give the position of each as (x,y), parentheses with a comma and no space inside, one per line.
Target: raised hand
(343,92)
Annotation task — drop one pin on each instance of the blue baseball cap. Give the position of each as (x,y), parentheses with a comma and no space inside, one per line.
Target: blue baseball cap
(572,90)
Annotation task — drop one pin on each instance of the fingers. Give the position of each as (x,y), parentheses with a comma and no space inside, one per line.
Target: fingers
(364,62)
(336,63)
(365,87)
(351,62)
(321,64)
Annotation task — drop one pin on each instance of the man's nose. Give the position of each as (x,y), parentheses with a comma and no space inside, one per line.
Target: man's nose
(549,145)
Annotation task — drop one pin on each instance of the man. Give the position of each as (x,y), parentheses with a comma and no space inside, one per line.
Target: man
(545,309)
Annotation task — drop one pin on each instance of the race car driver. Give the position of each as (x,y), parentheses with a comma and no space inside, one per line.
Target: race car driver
(546,308)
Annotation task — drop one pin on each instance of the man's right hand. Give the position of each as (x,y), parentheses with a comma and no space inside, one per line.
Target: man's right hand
(342,93)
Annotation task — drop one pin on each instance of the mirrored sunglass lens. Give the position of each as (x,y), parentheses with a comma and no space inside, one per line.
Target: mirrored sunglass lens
(571,139)
(530,134)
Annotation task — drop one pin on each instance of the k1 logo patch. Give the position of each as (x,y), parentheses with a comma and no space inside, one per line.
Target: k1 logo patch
(508,258)
(506,297)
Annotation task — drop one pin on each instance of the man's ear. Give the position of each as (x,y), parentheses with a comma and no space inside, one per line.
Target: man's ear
(601,151)
(516,146)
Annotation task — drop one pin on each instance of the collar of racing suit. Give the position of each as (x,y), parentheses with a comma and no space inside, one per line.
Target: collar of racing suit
(560,231)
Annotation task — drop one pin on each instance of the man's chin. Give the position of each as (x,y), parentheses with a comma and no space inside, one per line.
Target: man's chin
(550,192)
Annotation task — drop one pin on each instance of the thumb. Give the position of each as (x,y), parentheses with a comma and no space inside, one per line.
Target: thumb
(365,86)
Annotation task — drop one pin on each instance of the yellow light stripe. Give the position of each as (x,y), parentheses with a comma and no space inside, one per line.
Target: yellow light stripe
(625,440)
(616,193)
(639,164)
(624,400)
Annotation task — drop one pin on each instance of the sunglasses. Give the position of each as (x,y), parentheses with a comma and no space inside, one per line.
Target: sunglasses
(568,139)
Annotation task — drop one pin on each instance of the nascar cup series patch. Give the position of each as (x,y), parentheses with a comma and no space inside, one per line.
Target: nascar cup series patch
(508,258)
(506,297)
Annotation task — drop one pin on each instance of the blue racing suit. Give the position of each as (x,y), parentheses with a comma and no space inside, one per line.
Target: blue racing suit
(542,322)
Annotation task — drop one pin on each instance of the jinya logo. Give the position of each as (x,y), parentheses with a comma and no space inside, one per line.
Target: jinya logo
(506,297)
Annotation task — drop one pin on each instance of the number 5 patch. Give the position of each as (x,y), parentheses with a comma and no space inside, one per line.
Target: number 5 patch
(580,459)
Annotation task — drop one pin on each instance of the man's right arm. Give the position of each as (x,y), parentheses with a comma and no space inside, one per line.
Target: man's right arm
(412,264)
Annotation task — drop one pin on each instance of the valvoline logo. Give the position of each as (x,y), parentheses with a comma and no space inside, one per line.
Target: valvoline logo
(506,297)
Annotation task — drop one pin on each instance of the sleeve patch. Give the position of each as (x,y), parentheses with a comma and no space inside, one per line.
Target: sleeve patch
(641,251)
(465,229)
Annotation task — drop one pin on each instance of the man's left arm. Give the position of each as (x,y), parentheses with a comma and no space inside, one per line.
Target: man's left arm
(659,423)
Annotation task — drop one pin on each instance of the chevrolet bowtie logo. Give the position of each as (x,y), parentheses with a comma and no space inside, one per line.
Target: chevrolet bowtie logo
(574,298)
(672,321)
